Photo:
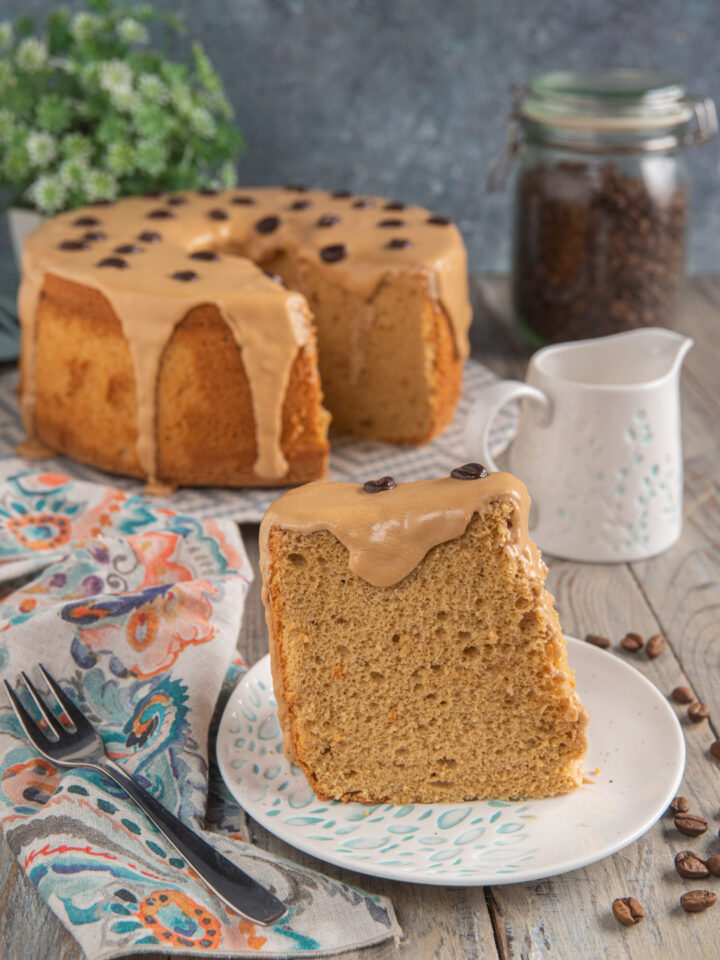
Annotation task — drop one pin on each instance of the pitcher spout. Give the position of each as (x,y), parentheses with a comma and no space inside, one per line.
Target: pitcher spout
(631,359)
(666,347)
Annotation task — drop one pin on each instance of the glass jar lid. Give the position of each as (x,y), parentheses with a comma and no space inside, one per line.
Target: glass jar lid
(650,110)
(604,111)
(607,100)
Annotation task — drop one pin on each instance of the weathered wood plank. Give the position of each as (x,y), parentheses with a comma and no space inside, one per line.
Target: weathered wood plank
(544,919)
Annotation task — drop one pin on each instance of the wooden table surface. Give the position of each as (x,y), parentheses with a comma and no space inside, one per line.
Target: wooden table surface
(677,594)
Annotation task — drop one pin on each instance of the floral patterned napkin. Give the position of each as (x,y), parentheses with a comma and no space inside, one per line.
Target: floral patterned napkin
(136,610)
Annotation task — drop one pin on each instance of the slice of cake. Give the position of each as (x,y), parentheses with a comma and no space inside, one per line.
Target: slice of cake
(416,654)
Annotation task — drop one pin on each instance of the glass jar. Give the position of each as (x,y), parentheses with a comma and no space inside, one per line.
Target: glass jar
(602,201)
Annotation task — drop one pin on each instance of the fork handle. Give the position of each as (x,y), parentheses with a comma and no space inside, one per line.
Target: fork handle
(233,886)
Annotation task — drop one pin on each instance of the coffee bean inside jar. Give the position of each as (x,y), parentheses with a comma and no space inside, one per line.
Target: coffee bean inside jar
(602,201)
(598,251)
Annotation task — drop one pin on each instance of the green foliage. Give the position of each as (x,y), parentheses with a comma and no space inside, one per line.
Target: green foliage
(88,111)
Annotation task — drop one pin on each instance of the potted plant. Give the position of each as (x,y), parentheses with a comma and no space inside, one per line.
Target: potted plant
(88,111)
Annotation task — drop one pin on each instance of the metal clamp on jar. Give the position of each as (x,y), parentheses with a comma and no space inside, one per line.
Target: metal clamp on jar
(601,200)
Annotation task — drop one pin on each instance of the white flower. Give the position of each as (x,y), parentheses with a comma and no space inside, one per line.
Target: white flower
(202,122)
(100,185)
(132,31)
(6,35)
(48,194)
(228,174)
(124,100)
(83,26)
(116,77)
(73,172)
(151,156)
(41,148)
(120,158)
(152,88)
(32,55)
(150,120)
(181,99)
(54,113)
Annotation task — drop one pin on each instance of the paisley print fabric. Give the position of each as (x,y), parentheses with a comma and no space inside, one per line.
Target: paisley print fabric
(136,611)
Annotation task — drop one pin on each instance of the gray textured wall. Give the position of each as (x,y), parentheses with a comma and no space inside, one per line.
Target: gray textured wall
(408,97)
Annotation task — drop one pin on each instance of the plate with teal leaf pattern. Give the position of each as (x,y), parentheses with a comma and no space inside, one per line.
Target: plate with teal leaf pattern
(634,765)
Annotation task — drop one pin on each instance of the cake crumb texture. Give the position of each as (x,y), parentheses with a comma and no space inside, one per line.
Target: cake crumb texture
(451,685)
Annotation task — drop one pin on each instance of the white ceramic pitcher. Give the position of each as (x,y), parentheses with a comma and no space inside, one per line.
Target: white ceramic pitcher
(598,444)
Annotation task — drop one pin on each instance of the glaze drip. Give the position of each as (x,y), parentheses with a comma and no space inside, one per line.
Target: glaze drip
(388,534)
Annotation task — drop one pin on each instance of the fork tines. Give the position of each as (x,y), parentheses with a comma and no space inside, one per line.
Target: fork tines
(52,723)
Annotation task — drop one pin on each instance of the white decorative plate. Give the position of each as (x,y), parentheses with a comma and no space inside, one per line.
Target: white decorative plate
(635,741)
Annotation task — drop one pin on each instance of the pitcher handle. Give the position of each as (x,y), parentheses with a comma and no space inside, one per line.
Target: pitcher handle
(486,407)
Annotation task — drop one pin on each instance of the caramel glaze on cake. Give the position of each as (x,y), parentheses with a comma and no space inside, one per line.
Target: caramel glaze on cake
(133,312)
(415,651)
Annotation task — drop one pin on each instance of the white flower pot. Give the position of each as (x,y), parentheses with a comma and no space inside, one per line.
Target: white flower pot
(22,222)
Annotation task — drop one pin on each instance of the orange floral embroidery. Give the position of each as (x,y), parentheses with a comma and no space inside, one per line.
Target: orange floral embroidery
(171,915)
(40,531)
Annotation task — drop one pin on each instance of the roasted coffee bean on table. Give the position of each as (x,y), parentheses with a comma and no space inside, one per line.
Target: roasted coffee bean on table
(691,865)
(632,642)
(682,695)
(713,864)
(627,911)
(691,824)
(715,749)
(655,645)
(598,250)
(697,712)
(679,805)
(695,901)
(598,641)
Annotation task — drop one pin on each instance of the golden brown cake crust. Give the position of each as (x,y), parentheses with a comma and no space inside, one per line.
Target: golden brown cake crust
(446,374)
(152,263)
(206,429)
(448,679)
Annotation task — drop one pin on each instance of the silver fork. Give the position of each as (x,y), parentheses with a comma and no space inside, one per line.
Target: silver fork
(81,746)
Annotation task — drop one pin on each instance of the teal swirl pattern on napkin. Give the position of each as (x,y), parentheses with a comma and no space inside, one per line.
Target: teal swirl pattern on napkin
(137,610)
